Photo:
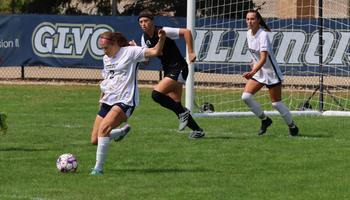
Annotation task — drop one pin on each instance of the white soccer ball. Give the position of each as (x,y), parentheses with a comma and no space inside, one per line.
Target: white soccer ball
(67,163)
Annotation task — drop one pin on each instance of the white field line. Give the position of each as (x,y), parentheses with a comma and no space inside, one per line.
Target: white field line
(187,132)
(24,197)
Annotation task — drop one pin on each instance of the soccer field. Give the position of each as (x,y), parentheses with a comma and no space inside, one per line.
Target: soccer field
(156,161)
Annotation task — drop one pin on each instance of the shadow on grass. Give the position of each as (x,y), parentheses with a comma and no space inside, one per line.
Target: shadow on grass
(159,170)
(20,149)
(222,138)
(300,136)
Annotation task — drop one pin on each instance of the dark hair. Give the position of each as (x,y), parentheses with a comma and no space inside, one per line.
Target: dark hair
(158,13)
(262,22)
(120,38)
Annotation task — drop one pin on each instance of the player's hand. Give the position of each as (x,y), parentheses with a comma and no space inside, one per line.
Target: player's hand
(248,75)
(192,57)
(161,34)
(132,43)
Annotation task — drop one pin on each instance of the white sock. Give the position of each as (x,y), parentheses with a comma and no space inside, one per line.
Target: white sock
(102,150)
(253,105)
(284,111)
(116,132)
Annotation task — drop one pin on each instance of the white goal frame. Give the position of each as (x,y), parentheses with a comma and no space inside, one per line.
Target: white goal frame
(191,20)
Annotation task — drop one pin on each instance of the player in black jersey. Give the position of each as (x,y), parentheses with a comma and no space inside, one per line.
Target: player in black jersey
(168,92)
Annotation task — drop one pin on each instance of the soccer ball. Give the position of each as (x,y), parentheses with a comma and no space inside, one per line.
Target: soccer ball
(67,163)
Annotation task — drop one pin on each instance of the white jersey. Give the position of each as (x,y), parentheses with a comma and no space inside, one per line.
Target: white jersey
(270,73)
(120,76)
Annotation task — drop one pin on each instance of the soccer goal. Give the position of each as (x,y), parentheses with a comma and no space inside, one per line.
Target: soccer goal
(310,39)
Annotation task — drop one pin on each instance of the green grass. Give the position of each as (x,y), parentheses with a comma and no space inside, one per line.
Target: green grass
(155,161)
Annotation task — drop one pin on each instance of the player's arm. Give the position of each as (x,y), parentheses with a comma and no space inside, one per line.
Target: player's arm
(155,51)
(133,43)
(262,61)
(186,33)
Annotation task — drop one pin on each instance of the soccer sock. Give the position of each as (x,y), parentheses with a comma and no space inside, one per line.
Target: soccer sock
(167,102)
(284,111)
(192,124)
(253,105)
(117,132)
(101,153)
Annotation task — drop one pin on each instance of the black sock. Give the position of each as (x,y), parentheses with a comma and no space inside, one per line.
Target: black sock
(167,102)
(192,124)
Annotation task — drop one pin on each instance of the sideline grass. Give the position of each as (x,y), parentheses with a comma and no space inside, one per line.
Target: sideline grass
(155,161)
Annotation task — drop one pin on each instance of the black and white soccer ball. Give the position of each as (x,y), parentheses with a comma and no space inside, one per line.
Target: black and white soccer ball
(206,108)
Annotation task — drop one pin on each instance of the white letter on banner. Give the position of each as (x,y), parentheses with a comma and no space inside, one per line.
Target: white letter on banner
(61,46)
(94,41)
(214,53)
(299,39)
(39,41)
(310,56)
(237,55)
(340,51)
(80,41)
(198,42)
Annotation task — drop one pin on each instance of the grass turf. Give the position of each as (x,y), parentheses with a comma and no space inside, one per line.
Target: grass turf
(155,161)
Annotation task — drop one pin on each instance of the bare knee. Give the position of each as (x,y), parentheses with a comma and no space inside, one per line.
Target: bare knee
(94,141)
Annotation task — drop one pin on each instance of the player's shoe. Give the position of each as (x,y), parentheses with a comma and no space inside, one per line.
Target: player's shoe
(96,172)
(127,129)
(3,124)
(197,134)
(183,117)
(293,131)
(264,124)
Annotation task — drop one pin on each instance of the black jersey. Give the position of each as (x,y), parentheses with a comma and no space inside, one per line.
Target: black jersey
(171,56)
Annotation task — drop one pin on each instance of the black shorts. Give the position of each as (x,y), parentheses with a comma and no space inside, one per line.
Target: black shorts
(268,86)
(177,74)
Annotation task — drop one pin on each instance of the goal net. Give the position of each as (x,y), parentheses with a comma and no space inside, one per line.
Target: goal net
(311,46)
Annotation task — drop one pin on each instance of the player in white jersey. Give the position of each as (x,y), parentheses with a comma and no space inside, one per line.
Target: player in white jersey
(265,71)
(119,89)
(168,92)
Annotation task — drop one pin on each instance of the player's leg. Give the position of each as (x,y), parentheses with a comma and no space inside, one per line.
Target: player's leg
(113,119)
(161,93)
(276,99)
(94,133)
(191,123)
(250,89)
(3,124)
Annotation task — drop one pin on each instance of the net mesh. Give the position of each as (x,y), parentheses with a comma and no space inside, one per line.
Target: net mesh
(222,56)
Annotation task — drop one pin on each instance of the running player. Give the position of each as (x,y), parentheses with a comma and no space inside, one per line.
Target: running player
(168,92)
(265,71)
(119,89)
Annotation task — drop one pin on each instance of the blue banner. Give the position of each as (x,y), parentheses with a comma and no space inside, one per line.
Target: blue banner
(67,41)
(220,45)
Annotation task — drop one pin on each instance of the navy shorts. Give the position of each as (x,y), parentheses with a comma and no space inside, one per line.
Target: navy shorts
(105,108)
(268,86)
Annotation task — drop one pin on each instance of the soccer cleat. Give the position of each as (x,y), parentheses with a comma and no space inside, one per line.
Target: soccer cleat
(293,131)
(197,134)
(264,124)
(96,172)
(127,129)
(3,125)
(183,117)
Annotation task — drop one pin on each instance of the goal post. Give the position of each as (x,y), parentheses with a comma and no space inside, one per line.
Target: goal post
(310,39)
